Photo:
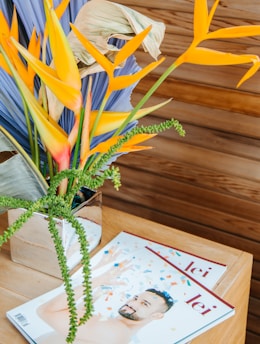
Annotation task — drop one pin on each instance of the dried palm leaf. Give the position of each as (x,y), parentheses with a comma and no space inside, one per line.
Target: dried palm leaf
(19,177)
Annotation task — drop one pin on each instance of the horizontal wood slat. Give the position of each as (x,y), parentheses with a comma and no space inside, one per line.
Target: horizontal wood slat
(256,269)
(181,223)
(255,306)
(251,338)
(197,175)
(253,322)
(206,117)
(225,99)
(203,157)
(227,8)
(186,204)
(222,141)
(141,182)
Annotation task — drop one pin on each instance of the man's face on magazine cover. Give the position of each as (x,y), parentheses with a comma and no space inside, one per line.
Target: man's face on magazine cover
(146,305)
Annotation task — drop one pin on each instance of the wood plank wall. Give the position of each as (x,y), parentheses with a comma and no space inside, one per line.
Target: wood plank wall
(207,183)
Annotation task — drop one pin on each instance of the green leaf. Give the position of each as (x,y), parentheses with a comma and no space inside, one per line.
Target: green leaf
(19,177)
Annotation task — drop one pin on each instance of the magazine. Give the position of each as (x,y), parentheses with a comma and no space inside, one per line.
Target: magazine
(139,297)
(205,271)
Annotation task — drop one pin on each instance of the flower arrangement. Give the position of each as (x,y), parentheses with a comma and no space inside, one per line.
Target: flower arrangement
(65,104)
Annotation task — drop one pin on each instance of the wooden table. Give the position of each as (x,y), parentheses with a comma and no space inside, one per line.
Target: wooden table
(19,284)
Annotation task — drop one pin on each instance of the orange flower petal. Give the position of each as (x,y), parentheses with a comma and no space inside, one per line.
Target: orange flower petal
(235,32)
(205,56)
(200,21)
(130,47)
(124,81)
(65,63)
(68,95)
(100,58)
(14,32)
(111,120)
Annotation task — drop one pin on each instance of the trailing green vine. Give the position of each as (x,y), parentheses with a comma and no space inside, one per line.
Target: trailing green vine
(59,206)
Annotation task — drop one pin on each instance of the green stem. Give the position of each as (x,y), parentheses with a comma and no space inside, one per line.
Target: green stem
(100,111)
(45,105)
(29,129)
(146,97)
(50,164)
(36,148)
(77,147)
(62,259)
(89,163)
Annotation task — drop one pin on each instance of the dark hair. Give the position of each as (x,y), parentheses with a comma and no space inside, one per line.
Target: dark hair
(166,296)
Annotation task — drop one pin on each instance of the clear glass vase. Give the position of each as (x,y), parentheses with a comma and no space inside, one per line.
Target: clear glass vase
(33,246)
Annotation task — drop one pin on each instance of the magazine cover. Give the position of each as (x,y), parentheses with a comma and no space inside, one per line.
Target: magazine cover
(139,298)
(205,271)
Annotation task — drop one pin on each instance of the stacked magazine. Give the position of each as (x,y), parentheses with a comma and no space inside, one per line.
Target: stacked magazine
(143,292)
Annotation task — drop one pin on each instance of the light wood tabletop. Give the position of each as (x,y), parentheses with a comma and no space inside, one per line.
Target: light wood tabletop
(19,284)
